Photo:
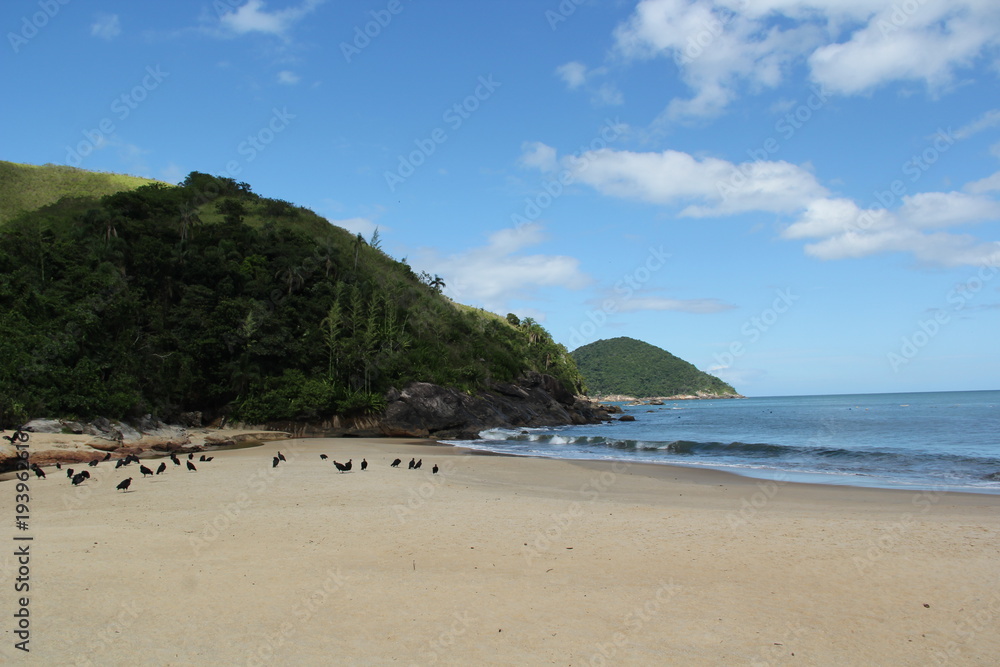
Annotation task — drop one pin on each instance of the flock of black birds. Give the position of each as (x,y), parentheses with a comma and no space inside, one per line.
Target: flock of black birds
(77,478)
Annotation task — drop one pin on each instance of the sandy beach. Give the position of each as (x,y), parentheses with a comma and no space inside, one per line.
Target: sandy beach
(494,561)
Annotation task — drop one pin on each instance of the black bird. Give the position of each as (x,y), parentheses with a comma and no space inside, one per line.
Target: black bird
(281,456)
(419,463)
(145,471)
(435,469)
(275,462)
(395,463)
(191,466)
(176,461)
(58,465)
(69,473)
(209,458)
(413,463)
(324,457)
(78,478)
(190,456)
(86,475)
(201,458)
(107,456)
(93,463)
(340,466)
(347,466)
(364,464)
(39,472)
(124,484)
(163,466)
(119,463)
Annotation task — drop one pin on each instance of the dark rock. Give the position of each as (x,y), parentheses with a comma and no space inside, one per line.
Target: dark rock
(626,418)
(190,419)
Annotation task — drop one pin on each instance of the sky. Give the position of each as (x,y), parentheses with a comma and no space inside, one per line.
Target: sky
(798,196)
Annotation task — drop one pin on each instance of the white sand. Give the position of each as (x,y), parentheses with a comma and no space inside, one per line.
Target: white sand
(498,561)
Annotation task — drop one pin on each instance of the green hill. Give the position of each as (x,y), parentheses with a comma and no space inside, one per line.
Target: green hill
(206,296)
(26,187)
(634,368)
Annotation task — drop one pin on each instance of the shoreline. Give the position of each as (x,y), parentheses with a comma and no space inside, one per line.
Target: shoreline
(502,559)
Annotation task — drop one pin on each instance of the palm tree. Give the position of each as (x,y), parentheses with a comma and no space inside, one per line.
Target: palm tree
(437,283)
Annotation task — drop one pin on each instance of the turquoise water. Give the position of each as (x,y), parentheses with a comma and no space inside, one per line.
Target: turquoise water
(941,440)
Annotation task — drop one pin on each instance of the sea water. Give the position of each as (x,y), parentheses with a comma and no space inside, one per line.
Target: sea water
(940,440)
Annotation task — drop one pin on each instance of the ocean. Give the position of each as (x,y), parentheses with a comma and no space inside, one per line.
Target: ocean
(934,440)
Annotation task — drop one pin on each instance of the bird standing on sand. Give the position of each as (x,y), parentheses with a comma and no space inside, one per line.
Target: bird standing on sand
(364,464)
(175,460)
(324,457)
(93,463)
(413,462)
(340,466)
(419,463)
(39,472)
(191,466)
(145,471)
(275,462)
(107,456)
(201,458)
(163,466)
(281,456)
(190,456)
(124,484)
(119,463)
(348,465)
(435,469)
(395,463)
(69,473)
(78,478)
(58,465)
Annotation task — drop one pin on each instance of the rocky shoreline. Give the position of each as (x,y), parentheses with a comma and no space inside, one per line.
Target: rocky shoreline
(419,410)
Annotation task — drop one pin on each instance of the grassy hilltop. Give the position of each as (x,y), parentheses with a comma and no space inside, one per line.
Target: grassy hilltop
(635,368)
(138,297)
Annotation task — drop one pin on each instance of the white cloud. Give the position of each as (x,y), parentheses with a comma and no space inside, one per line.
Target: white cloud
(847,231)
(364,226)
(288,77)
(989,119)
(709,186)
(988,184)
(694,306)
(574,74)
(725,48)
(252,17)
(107,26)
(536,155)
(499,272)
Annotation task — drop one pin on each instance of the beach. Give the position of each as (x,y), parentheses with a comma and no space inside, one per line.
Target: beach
(496,560)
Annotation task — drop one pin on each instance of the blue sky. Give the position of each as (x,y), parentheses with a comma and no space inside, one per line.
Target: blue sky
(801,197)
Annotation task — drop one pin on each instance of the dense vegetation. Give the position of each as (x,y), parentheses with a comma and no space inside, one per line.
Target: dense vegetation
(206,296)
(634,368)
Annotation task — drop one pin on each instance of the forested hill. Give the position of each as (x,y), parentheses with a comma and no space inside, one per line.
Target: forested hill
(635,368)
(206,296)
